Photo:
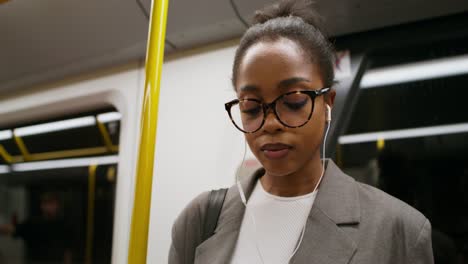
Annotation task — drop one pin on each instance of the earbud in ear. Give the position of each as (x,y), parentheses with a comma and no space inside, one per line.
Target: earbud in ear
(328,113)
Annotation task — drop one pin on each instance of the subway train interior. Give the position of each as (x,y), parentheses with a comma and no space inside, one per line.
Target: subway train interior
(72,91)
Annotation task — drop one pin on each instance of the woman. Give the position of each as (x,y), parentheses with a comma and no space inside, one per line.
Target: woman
(297,208)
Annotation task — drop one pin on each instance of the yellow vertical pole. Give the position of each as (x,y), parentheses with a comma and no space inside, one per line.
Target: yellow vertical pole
(380,144)
(144,177)
(90,218)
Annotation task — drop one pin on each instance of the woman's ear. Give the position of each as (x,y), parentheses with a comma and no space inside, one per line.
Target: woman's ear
(330,97)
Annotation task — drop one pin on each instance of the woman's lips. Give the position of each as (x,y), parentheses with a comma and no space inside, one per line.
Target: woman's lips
(276,150)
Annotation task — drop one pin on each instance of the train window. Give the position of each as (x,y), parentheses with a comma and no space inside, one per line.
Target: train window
(409,137)
(57,189)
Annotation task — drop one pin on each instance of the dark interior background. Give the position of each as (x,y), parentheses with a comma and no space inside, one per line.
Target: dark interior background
(430,173)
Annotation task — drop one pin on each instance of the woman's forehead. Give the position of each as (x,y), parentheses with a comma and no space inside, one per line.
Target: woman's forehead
(274,51)
(269,64)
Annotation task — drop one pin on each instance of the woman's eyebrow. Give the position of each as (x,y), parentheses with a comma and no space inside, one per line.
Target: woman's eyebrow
(281,85)
(291,81)
(249,88)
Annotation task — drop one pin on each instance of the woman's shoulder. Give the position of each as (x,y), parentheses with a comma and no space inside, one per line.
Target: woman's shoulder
(392,216)
(388,206)
(193,212)
(375,205)
(389,223)
(187,230)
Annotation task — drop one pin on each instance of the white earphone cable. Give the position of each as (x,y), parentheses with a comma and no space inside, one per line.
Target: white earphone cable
(316,186)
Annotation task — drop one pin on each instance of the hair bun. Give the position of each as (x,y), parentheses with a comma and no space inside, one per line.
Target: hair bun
(304,9)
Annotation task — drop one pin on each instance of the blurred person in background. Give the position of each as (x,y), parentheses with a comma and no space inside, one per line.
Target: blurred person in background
(46,236)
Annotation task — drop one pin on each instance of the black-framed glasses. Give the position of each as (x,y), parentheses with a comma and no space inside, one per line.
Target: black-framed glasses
(292,109)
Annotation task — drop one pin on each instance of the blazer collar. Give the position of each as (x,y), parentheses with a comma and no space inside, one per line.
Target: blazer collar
(337,203)
(338,196)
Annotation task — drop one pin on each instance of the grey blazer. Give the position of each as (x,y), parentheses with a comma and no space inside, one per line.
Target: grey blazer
(350,222)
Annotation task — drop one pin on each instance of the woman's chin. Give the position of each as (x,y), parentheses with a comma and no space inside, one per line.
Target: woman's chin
(278,168)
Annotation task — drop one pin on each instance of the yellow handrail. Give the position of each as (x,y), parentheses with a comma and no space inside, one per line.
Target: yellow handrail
(22,147)
(5,155)
(144,177)
(60,154)
(105,135)
(26,155)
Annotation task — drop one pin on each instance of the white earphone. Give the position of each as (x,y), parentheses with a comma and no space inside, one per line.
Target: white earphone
(328,113)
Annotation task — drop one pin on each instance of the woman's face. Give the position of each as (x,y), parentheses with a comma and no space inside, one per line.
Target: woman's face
(268,70)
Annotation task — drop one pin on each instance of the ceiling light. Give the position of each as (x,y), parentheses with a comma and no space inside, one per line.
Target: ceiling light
(6,134)
(55,126)
(109,117)
(417,71)
(404,133)
(65,163)
(4,169)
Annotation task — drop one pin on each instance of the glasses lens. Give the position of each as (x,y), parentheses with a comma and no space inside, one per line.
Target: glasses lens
(294,109)
(247,115)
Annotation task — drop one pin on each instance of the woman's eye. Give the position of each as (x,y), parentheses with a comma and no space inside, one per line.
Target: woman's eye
(252,111)
(295,105)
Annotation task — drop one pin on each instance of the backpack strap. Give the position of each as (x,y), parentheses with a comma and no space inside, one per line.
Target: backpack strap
(213,210)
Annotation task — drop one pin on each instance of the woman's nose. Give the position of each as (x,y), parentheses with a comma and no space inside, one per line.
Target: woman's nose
(272,124)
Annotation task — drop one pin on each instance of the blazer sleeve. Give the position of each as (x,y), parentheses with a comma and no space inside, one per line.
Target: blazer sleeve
(422,252)
(174,254)
(187,231)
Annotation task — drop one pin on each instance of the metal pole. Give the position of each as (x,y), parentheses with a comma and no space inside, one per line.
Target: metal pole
(144,176)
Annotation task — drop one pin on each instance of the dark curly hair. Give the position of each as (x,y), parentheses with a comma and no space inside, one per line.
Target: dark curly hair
(296,20)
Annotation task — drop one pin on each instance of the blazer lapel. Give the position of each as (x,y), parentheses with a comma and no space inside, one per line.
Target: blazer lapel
(217,249)
(324,242)
(336,205)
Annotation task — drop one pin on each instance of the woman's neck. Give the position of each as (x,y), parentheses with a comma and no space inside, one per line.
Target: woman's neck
(300,182)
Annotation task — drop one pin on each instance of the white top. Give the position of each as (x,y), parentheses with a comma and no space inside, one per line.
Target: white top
(272,225)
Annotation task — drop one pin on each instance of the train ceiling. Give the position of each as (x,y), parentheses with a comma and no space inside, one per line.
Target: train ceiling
(48,40)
